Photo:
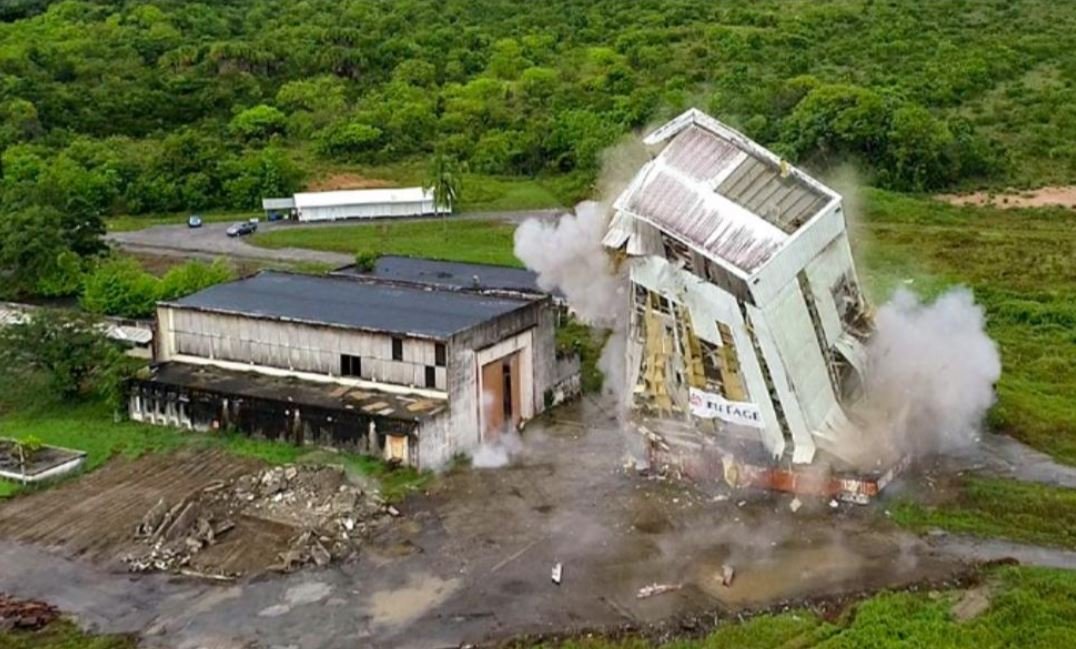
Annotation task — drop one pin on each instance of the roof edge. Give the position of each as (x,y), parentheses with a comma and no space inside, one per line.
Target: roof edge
(695,117)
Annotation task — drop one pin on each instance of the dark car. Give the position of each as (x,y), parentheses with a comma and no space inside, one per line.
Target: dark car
(194,221)
(239,229)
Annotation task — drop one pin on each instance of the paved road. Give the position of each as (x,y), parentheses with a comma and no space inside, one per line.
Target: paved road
(211,241)
(1005,457)
(472,560)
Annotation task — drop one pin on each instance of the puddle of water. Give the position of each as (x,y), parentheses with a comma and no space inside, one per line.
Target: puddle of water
(787,572)
(421,594)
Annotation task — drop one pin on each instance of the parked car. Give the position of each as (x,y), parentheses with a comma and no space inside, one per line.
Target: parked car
(239,229)
(194,221)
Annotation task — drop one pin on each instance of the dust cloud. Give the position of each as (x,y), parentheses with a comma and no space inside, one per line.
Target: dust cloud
(567,255)
(500,450)
(931,369)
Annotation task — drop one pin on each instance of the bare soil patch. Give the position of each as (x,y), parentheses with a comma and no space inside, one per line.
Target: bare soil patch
(1056,196)
(279,518)
(346,180)
(96,515)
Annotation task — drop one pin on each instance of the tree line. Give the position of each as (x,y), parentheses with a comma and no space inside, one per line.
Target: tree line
(130,107)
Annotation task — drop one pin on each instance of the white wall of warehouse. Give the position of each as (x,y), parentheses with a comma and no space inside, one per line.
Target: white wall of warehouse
(365,211)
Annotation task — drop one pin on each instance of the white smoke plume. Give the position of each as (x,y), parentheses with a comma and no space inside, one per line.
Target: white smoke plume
(567,254)
(498,453)
(930,376)
(500,450)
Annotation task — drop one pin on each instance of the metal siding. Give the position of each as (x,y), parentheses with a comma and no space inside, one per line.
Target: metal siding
(802,441)
(797,344)
(800,250)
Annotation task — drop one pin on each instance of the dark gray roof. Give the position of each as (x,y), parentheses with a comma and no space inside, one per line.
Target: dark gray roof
(450,274)
(346,302)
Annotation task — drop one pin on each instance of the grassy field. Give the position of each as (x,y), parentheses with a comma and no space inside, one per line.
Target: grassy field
(1019,511)
(470,240)
(1021,266)
(1030,608)
(90,427)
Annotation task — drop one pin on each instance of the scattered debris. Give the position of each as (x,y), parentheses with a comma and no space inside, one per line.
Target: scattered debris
(833,504)
(331,518)
(25,614)
(728,573)
(558,570)
(657,589)
(972,604)
(795,505)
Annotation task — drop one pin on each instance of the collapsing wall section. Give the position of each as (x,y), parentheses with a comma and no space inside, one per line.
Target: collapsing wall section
(747,327)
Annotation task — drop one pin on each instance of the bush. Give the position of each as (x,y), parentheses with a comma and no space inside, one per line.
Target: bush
(192,277)
(366,260)
(68,348)
(119,287)
(258,122)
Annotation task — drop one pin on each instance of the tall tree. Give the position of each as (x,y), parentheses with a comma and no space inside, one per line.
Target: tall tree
(444,182)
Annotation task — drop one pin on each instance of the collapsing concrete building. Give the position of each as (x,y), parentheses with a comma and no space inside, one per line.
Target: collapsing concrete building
(747,327)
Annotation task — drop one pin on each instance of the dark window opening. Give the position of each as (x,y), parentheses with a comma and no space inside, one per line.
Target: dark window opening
(350,365)
(439,354)
(506,376)
(431,376)
(397,349)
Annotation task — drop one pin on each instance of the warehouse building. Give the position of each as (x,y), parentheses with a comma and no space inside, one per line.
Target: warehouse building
(747,330)
(352,204)
(410,372)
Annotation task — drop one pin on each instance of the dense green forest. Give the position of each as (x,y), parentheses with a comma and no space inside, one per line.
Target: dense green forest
(129,107)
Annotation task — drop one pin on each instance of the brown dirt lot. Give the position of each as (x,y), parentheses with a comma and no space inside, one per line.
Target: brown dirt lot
(346,181)
(95,515)
(1058,196)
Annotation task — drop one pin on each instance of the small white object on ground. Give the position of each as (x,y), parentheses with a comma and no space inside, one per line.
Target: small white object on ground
(558,571)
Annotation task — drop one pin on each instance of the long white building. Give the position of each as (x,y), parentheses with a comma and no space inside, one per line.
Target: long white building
(747,320)
(353,204)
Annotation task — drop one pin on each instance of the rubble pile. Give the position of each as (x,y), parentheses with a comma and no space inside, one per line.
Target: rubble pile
(331,517)
(25,614)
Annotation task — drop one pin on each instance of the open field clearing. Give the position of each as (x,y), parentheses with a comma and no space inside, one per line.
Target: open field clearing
(469,240)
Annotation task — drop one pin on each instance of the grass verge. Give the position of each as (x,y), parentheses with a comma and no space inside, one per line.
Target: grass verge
(468,240)
(90,427)
(993,507)
(63,634)
(1030,608)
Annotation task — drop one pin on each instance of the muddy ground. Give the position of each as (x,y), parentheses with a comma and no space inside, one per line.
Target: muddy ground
(471,561)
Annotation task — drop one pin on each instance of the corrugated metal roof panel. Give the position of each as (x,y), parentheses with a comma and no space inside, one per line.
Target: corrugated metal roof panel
(696,214)
(699,154)
(346,302)
(785,201)
(720,191)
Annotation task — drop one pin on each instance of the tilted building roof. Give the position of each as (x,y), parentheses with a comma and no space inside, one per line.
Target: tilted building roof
(720,191)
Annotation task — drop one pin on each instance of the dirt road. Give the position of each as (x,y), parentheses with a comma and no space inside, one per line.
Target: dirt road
(472,560)
(210,240)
